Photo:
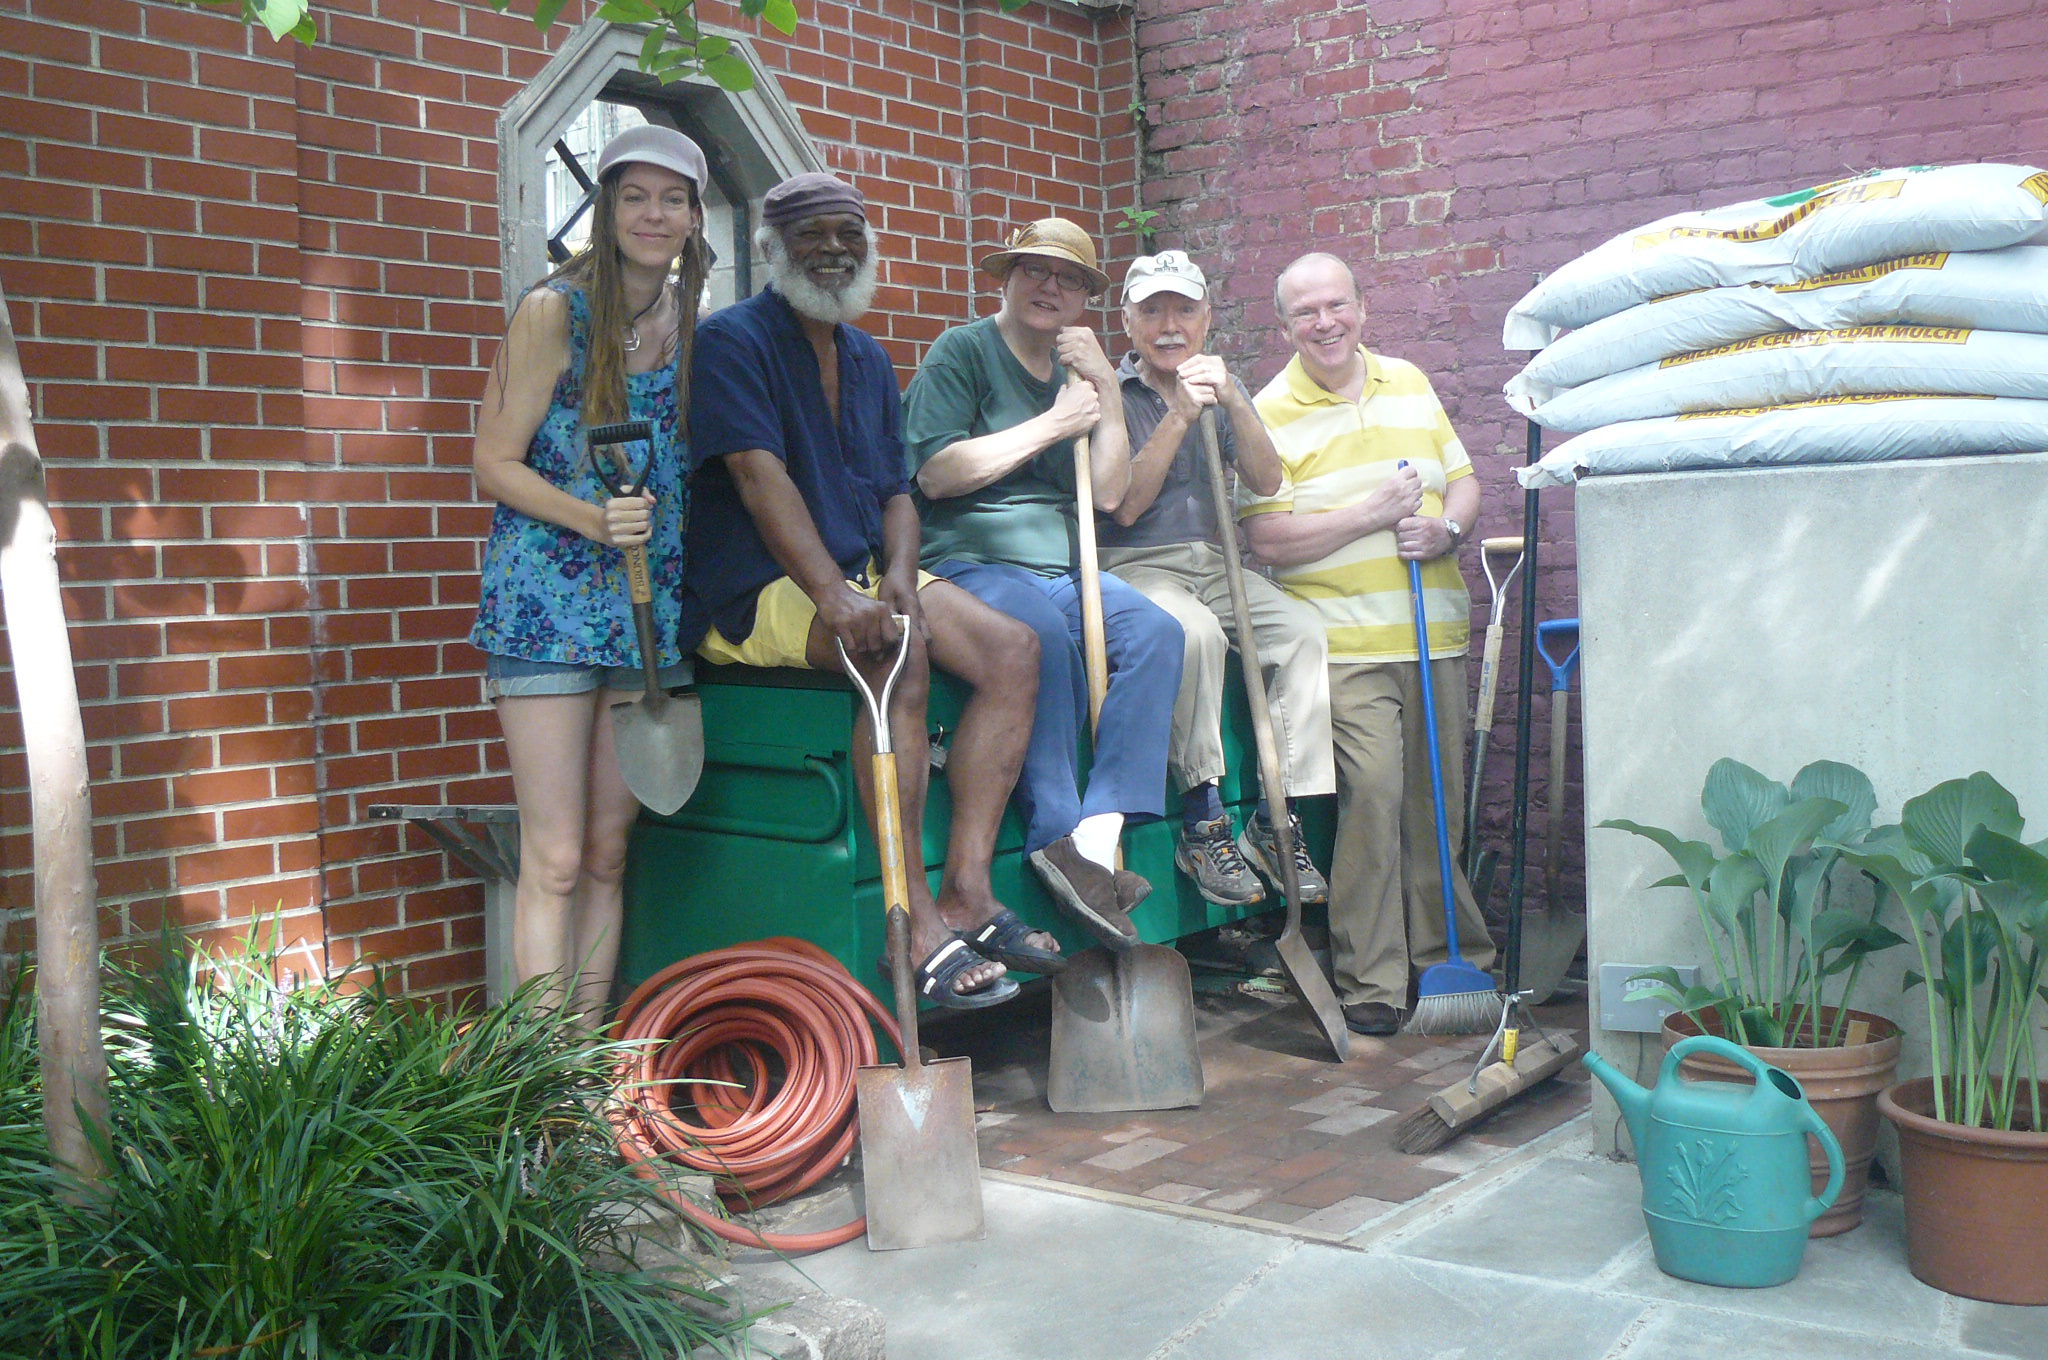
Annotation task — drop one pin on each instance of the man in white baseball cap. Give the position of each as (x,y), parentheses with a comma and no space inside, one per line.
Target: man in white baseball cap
(1162,540)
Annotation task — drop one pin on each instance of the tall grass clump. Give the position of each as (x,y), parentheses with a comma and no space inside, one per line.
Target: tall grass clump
(328,1172)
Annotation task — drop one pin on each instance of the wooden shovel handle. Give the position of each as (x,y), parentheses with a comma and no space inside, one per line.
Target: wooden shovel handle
(1094,644)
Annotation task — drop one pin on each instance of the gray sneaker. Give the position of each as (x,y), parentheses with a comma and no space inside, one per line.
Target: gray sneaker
(1208,854)
(1259,846)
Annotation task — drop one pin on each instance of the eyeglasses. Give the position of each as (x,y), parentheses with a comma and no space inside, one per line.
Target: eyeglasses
(1071,280)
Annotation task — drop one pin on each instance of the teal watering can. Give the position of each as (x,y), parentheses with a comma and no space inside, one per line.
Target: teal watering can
(1727,1187)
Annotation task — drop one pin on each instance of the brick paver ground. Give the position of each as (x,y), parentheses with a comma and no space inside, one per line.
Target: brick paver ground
(1284,1134)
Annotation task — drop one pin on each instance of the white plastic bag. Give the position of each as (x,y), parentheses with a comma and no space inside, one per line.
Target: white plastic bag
(1994,290)
(1830,430)
(1876,216)
(1788,366)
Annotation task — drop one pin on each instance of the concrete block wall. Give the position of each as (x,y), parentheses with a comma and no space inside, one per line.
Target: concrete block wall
(255,286)
(1453,149)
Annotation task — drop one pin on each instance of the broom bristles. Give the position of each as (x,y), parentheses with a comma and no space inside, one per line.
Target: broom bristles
(1454,1013)
(1423,1130)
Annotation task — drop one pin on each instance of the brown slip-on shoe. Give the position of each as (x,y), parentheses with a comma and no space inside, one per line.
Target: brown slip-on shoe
(1085,891)
(1131,889)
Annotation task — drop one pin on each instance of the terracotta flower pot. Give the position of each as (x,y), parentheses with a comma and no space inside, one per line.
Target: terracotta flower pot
(1976,1200)
(1842,1085)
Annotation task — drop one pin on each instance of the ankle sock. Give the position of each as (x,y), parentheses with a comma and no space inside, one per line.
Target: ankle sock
(1096,837)
(1202,803)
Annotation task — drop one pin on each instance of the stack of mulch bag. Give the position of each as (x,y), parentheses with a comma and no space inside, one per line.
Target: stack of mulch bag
(1898,314)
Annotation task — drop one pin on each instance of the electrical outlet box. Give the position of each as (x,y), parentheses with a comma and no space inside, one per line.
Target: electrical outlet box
(1627,1005)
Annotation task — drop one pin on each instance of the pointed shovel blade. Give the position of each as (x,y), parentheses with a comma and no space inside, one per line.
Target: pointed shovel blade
(920,1168)
(660,744)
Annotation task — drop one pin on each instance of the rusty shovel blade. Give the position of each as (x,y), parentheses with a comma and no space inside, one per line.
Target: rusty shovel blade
(1123,1033)
(919,1164)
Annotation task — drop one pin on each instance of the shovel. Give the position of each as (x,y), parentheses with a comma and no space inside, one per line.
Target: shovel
(1310,982)
(659,738)
(1123,1027)
(1479,864)
(919,1165)
(1551,937)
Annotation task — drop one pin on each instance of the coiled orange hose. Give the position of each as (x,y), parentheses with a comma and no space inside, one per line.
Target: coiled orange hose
(759,1042)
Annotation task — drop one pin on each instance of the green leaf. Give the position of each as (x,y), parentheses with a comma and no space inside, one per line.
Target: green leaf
(1897,867)
(1737,799)
(712,47)
(1011,6)
(282,17)
(650,49)
(1695,859)
(1764,1029)
(2005,860)
(780,15)
(545,12)
(1731,895)
(1940,822)
(1790,833)
(731,72)
(1845,784)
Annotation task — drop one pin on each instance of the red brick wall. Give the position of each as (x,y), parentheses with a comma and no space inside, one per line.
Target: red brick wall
(1452,149)
(255,285)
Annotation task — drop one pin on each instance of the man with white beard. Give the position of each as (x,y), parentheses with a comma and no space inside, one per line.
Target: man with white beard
(803,538)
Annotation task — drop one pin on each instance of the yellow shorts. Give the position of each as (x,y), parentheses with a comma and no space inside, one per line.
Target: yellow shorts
(782,625)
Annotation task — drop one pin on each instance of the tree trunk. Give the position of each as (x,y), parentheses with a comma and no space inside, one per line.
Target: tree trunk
(74,1058)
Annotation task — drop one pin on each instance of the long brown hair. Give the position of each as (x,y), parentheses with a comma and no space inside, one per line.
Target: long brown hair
(596,269)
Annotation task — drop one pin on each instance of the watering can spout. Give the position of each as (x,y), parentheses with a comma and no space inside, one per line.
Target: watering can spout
(1633,1099)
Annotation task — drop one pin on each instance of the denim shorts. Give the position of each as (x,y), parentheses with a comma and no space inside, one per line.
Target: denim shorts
(512,677)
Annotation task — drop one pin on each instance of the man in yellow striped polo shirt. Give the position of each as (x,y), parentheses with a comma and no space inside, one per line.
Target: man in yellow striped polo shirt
(1340,533)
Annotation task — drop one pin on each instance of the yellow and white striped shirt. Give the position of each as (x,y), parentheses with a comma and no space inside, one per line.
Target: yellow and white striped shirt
(1335,452)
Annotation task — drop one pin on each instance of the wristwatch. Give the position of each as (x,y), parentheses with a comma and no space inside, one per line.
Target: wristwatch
(1457,532)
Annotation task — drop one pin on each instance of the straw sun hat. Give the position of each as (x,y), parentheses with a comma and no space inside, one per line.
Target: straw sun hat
(1053,238)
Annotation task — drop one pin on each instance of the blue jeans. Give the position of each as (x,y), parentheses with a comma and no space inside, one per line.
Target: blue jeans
(1128,772)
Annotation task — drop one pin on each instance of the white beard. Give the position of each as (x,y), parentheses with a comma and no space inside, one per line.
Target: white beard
(848,303)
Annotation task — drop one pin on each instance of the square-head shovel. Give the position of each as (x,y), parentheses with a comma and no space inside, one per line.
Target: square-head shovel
(919,1164)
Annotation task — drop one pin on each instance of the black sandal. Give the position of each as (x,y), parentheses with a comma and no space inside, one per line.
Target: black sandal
(933,979)
(1005,938)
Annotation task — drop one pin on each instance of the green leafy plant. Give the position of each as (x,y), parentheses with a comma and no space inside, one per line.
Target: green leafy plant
(330,1172)
(1976,903)
(1140,221)
(675,46)
(1766,906)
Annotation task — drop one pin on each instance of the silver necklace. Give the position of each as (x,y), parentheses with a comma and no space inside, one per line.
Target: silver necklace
(632,341)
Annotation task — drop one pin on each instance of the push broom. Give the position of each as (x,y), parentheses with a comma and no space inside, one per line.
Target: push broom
(1452,997)
(1458,1107)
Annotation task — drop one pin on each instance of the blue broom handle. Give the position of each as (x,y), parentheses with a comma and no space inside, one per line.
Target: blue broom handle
(1436,764)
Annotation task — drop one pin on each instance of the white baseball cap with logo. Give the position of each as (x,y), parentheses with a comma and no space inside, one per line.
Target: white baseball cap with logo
(1170,271)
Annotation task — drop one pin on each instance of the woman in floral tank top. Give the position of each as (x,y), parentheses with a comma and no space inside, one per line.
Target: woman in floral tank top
(604,338)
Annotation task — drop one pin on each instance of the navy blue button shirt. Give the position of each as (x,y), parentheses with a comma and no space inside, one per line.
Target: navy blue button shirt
(754,384)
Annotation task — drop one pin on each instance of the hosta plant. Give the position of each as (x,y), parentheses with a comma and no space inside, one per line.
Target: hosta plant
(1976,905)
(1782,950)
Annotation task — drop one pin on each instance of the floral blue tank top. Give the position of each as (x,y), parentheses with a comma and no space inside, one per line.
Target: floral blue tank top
(549,593)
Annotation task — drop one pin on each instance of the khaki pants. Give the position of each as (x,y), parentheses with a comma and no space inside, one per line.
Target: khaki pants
(1386,904)
(1187,581)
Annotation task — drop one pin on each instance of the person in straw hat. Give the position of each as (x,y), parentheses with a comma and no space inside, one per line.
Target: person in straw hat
(989,423)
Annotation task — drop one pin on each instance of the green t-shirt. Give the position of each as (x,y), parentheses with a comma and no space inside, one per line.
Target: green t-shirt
(971,385)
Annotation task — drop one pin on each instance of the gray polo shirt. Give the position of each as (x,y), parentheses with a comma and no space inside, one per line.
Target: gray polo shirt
(1182,511)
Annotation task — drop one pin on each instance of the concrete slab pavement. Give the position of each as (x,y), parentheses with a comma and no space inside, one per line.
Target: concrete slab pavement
(1540,1255)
